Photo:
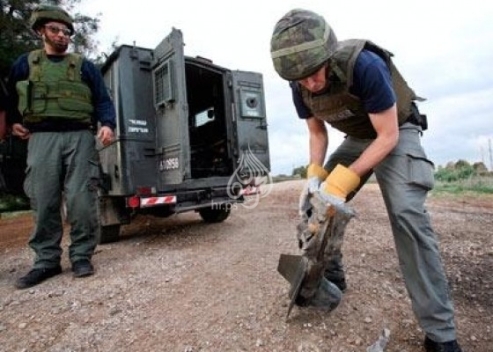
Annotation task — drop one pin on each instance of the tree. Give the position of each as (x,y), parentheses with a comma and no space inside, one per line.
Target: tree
(480,168)
(301,170)
(462,164)
(16,37)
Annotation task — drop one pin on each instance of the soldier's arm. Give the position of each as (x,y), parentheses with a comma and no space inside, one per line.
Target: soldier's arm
(375,89)
(386,125)
(104,110)
(318,139)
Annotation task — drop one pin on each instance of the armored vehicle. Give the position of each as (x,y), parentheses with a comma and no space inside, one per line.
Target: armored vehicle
(190,136)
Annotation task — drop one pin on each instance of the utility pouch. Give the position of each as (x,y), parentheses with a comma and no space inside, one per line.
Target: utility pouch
(418,118)
(29,97)
(424,122)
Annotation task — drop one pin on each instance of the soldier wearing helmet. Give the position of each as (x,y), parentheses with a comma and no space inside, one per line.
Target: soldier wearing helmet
(353,86)
(61,98)
(48,13)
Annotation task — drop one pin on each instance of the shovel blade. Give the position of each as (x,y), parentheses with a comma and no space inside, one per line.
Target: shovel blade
(289,266)
(293,269)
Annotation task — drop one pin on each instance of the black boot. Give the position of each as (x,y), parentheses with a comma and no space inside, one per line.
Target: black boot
(338,280)
(327,296)
(36,276)
(449,346)
(334,272)
(82,268)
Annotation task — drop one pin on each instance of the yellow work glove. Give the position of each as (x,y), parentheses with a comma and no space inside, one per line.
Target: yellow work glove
(316,170)
(340,182)
(334,190)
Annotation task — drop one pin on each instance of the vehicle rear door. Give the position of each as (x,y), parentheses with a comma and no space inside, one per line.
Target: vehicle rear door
(170,102)
(251,124)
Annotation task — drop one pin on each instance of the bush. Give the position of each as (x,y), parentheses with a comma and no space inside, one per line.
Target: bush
(460,171)
(478,184)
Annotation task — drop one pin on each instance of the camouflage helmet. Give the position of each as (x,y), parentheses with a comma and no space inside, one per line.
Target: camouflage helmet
(46,13)
(301,43)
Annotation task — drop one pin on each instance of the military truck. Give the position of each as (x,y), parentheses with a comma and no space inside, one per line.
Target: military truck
(190,136)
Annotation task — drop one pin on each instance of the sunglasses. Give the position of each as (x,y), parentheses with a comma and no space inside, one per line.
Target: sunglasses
(55,30)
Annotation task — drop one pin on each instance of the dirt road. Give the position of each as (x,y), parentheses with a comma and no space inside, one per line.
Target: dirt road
(178,284)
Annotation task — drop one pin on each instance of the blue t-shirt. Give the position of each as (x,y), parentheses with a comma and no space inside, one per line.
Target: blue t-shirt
(372,83)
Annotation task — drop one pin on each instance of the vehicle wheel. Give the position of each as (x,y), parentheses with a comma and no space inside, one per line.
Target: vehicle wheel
(109,234)
(212,215)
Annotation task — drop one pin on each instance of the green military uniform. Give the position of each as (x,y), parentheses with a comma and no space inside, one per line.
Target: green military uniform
(55,92)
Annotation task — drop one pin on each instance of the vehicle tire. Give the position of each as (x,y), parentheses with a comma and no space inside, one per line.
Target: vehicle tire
(109,233)
(212,215)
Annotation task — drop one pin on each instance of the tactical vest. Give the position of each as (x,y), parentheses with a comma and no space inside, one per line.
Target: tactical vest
(54,90)
(343,110)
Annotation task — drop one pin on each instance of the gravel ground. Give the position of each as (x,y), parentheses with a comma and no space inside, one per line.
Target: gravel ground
(178,284)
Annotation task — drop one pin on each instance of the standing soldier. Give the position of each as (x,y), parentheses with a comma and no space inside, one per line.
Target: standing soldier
(60,96)
(354,87)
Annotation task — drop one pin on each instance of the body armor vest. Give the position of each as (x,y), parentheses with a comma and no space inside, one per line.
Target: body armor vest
(54,90)
(343,110)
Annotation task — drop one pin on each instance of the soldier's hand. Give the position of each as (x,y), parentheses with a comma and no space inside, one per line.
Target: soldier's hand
(340,182)
(105,135)
(321,201)
(315,175)
(20,131)
(334,190)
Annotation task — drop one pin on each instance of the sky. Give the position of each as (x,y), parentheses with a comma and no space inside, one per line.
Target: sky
(443,49)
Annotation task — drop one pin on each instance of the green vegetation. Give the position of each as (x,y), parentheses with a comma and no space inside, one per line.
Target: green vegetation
(9,203)
(475,184)
(463,177)
(300,171)
(455,177)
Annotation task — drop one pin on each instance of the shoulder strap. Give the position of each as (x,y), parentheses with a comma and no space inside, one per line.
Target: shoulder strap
(74,67)
(34,60)
(344,59)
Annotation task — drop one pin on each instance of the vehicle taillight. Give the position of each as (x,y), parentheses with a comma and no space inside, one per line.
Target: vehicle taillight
(133,202)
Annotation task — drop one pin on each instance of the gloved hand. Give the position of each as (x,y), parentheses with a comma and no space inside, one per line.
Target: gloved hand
(337,186)
(315,175)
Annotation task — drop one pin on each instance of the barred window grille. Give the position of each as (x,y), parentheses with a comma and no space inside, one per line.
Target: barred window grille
(163,90)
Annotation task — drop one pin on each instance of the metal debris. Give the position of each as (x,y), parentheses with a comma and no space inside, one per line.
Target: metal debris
(381,343)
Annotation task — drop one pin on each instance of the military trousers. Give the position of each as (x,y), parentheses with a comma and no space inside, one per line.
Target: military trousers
(405,176)
(62,165)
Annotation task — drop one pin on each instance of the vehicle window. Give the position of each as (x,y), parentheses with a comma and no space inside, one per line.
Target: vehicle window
(204,117)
